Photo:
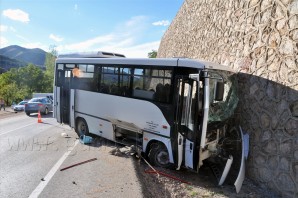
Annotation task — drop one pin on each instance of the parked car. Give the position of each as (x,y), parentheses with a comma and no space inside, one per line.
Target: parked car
(20,106)
(42,104)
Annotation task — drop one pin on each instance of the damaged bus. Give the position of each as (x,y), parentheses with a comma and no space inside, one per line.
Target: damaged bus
(177,111)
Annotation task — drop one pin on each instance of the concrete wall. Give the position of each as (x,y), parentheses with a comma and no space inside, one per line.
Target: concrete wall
(259,39)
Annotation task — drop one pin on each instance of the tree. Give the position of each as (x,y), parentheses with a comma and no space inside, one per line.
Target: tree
(10,93)
(50,68)
(152,54)
(19,83)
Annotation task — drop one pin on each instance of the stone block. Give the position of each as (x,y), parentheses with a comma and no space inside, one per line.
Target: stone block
(265,120)
(296,155)
(296,171)
(286,148)
(260,160)
(266,135)
(265,174)
(292,127)
(284,164)
(284,182)
(294,108)
(272,162)
(270,147)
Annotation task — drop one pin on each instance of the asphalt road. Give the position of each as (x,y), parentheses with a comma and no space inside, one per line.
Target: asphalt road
(32,154)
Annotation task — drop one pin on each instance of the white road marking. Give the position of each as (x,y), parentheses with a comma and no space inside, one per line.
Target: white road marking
(50,174)
(17,129)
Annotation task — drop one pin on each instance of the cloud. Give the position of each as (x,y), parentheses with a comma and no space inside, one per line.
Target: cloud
(125,39)
(135,51)
(161,23)
(136,20)
(86,45)
(3,28)
(17,15)
(36,45)
(3,41)
(23,38)
(56,38)
(12,29)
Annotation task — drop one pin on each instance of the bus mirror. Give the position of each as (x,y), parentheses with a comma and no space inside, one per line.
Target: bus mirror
(219,91)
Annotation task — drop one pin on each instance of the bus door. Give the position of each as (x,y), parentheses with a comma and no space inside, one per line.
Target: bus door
(64,95)
(186,119)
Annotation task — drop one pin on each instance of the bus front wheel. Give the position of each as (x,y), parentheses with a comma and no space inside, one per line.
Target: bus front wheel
(82,127)
(159,156)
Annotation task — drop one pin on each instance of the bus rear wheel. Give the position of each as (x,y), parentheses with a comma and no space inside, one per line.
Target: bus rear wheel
(82,127)
(159,156)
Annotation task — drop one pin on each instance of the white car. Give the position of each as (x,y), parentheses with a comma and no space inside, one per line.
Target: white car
(20,106)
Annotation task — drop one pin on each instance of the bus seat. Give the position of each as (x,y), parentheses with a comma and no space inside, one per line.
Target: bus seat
(104,88)
(167,92)
(159,95)
(114,90)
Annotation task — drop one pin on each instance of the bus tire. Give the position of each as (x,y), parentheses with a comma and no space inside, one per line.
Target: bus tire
(159,156)
(82,127)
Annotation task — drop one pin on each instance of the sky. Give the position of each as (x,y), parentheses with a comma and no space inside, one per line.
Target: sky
(131,27)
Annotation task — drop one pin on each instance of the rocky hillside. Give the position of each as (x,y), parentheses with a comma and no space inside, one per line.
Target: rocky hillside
(35,56)
(259,39)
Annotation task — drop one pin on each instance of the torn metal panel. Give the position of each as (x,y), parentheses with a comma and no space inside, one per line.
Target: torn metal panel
(226,170)
(241,175)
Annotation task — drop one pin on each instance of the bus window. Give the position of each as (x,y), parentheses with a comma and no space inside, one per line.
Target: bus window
(152,84)
(83,77)
(70,65)
(115,80)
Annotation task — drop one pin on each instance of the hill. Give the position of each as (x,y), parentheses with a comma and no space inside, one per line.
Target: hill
(7,63)
(35,56)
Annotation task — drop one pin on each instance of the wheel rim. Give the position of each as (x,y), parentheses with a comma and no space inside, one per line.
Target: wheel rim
(162,158)
(46,111)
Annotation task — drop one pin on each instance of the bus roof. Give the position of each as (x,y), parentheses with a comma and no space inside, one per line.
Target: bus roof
(171,62)
(98,54)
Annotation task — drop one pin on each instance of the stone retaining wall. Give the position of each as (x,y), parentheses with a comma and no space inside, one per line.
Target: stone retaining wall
(259,39)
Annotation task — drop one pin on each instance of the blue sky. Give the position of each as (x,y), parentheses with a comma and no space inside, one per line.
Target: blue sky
(131,27)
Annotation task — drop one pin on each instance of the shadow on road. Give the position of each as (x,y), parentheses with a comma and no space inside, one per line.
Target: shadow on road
(49,115)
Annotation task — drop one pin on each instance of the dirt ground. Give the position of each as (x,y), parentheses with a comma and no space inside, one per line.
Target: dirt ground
(185,183)
(201,184)
(8,112)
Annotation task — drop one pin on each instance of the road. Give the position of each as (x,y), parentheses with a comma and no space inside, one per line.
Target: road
(32,154)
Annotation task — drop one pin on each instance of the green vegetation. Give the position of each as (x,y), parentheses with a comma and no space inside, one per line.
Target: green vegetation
(152,54)
(19,83)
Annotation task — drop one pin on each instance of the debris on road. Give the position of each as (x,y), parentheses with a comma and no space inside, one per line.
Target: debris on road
(84,139)
(166,175)
(127,150)
(78,164)
(64,134)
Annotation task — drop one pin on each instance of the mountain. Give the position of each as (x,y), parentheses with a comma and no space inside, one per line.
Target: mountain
(7,63)
(35,56)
